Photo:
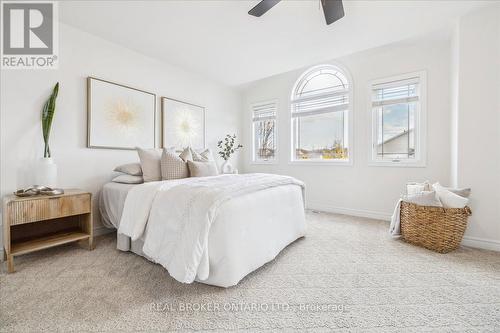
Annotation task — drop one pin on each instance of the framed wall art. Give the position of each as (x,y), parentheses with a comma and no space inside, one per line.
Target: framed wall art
(183,124)
(119,116)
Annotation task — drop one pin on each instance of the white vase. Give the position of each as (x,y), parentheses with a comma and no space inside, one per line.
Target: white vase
(226,167)
(46,172)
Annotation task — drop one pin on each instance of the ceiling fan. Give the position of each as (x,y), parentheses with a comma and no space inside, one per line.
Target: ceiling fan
(333,9)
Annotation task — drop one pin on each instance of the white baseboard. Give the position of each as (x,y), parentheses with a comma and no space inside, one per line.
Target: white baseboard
(481,243)
(349,211)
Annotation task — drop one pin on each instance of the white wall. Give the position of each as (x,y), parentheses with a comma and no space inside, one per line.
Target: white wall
(23,93)
(361,189)
(476,101)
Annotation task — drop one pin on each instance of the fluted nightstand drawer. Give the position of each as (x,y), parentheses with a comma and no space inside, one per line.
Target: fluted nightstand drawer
(45,208)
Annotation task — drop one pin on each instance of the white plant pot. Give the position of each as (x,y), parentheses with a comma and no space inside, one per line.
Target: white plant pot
(226,167)
(46,172)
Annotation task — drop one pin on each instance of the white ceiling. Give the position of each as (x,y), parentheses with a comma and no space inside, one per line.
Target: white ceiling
(219,40)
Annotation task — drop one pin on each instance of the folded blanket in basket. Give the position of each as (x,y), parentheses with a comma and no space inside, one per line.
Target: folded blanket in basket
(395,227)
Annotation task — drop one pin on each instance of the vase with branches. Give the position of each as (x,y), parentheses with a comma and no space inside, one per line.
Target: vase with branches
(228,147)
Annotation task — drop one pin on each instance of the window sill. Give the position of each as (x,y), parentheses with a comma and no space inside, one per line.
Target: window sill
(321,162)
(274,162)
(402,164)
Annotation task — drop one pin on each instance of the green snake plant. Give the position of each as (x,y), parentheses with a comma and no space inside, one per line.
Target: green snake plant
(47,115)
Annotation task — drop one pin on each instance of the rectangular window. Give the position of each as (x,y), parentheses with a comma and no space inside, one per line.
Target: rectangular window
(321,137)
(397,120)
(264,131)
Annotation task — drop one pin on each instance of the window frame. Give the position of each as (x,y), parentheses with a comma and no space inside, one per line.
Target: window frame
(420,159)
(253,160)
(350,119)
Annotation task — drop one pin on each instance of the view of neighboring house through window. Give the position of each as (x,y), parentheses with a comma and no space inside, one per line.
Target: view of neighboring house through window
(264,131)
(396,107)
(320,115)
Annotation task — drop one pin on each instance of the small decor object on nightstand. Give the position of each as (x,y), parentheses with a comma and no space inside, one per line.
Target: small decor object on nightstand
(41,221)
(227,148)
(37,189)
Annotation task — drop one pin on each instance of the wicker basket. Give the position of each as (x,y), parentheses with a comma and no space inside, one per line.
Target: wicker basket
(435,228)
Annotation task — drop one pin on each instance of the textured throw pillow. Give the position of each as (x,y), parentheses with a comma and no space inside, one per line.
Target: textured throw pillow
(202,169)
(128,179)
(186,155)
(203,156)
(173,166)
(133,169)
(150,164)
(448,198)
(424,198)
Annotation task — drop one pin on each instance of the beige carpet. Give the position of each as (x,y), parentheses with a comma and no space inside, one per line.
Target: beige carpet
(347,274)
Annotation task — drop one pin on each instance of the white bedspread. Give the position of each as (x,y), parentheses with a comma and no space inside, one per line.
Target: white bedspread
(179,214)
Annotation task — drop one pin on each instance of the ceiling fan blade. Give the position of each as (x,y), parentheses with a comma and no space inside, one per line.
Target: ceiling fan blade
(262,7)
(333,9)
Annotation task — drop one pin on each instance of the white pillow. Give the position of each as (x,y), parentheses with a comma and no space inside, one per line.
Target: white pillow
(424,198)
(173,166)
(416,188)
(463,192)
(128,179)
(150,164)
(448,198)
(202,169)
(133,169)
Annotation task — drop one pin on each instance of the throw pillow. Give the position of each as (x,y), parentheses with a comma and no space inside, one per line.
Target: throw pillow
(203,156)
(128,179)
(448,198)
(416,188)
(133,169)
(202,169)
(150,164)
(174,166)
(424,198)
(463,192)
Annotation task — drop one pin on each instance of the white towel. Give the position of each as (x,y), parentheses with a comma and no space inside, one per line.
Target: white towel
(395,228)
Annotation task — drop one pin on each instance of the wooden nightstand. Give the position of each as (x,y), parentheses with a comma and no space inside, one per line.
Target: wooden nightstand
(39,222)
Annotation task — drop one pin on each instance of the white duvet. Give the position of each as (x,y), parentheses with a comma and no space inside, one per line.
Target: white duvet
(178,216)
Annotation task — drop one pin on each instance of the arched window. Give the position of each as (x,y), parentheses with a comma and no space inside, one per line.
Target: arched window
(321,104)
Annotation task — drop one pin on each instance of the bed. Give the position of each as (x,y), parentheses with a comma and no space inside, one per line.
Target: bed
(213,230)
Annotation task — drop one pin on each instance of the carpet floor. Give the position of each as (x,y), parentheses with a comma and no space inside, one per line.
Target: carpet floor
(346,275)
